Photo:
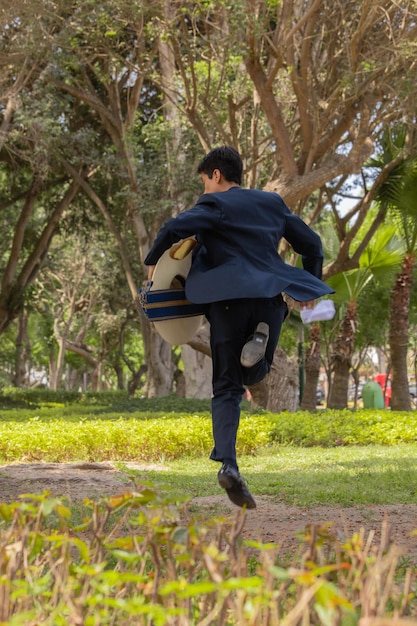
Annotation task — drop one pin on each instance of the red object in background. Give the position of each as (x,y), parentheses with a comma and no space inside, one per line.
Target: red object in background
(387,391)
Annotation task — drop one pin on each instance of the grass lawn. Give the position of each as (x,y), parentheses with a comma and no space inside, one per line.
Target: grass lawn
(326,458)
(344,476)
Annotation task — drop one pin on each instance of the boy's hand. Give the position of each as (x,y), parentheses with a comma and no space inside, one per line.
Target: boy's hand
(151,270)
(307,305)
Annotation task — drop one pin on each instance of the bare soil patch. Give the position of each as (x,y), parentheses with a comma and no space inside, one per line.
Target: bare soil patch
(269,522)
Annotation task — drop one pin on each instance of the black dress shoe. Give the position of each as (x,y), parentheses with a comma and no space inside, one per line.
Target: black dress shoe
(236,489)
(254,349)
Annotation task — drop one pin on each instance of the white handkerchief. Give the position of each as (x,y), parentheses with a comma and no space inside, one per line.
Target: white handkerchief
(324,310)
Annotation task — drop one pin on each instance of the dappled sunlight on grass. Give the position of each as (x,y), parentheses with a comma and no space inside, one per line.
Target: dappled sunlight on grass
(310,476)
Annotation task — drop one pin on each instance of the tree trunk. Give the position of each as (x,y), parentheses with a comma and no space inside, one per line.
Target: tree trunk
(17,279)
(201,341)
(342,359)
(59,371)
(136,379)
(158,358)
(51,367)
(279,390)
(119,375)
(197,373)
(398,335)
(20,377)
(312,369)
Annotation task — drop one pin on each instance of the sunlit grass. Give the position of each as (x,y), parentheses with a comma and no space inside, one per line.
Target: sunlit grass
(307,476)
(329,457)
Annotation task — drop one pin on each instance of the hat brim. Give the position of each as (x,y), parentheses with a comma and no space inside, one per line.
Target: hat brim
(181,330)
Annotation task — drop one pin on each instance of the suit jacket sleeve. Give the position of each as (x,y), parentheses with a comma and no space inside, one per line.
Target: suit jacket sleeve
(305,242)
(204,215)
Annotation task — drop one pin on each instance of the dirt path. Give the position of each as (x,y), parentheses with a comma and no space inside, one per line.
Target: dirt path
(270,522)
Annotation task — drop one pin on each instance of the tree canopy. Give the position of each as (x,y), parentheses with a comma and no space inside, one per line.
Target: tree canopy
(106,108)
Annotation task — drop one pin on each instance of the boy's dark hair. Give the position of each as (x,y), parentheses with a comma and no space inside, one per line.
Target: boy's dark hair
(227,160)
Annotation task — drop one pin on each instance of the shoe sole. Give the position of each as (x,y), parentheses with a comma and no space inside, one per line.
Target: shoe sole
(239,499)
(254,350)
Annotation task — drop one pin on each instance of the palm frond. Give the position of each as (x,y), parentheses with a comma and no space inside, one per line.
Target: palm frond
(384,254)
(380,261)
(349,285)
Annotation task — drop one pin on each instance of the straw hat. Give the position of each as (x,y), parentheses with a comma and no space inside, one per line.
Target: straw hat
(175,318)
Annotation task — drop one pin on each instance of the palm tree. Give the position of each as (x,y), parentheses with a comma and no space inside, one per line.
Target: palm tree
(311,356)
(379,262)
(399,195)
(312,362)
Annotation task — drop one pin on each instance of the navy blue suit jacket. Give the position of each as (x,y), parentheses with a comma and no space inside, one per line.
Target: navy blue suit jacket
(239,232)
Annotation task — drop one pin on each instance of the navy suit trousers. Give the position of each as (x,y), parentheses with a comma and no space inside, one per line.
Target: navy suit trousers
(232,322)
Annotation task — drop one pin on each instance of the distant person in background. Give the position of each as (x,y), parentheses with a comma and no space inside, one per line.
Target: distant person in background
(239,276)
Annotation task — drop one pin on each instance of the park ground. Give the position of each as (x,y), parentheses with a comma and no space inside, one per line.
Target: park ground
(272,521)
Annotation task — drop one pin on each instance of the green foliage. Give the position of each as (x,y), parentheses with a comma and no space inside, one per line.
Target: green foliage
(7,355)
(398,192)
(141,557)
(140,436)
(40,396)
(86,402)
(380,261)
(109,426)
(134,558)
(290,333)
(373,320)
(76,401)
(337,428)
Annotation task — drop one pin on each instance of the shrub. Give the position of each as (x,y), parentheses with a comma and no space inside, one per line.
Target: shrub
(40,395)
(118,400)
(130,438)
(141,430)
(136,558)
(335,428)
